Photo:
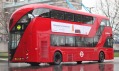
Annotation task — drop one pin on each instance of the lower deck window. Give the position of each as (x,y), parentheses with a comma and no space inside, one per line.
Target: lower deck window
(72,41)
(57,40)
(76,41)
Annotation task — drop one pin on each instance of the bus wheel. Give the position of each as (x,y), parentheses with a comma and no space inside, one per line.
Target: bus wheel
(57,58)
(34,64)
(101,57)
(79,62)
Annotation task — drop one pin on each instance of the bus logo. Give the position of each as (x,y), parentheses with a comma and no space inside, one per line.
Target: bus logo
(81,54)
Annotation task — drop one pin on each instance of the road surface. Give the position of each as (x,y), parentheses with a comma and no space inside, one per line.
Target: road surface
(112,65)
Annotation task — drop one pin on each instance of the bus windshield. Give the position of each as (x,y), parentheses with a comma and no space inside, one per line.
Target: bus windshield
(43,12)
(18,30)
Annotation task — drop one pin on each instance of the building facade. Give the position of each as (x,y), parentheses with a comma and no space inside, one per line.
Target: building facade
(13,4)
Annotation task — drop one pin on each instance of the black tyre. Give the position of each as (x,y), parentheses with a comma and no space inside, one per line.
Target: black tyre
(34,64)
(57,58)
(79,62)
(101,57)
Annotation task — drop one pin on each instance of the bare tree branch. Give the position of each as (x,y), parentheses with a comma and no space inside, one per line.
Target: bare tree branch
(110,8)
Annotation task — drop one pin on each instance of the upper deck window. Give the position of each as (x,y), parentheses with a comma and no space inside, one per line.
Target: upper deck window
(84,19)
(87,19)
(69,16)
(57,14)
(61,15)
(43,12)
(105,23)
(78,17)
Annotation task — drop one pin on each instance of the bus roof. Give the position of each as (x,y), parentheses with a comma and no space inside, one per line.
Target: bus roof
(34,6)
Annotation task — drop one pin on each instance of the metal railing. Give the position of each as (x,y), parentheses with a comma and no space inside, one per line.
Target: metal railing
(21,3)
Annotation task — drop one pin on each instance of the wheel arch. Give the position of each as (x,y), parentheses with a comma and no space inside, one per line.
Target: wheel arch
(59,52)
(102,52)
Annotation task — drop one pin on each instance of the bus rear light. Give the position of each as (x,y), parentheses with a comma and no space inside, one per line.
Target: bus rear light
(27,54)
(17,59)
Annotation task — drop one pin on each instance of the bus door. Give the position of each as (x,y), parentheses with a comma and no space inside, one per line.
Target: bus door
(44,46)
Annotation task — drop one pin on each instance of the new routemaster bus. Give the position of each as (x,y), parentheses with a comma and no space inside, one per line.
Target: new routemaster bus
(41,33)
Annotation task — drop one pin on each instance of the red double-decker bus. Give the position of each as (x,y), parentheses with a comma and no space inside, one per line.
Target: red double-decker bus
(44,33)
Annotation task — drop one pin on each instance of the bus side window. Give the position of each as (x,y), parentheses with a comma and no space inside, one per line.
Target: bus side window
(87,19)
(108,42)
(79,42)
(53,14)
(57,14)
(70,41)
(89,42)
(60,15)
(69,16)
(78,18)
(61,40)
(57,40)
(105,22)
(54,40)
(108,23)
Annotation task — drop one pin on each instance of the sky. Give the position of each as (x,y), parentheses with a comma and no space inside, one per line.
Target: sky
(88,3)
